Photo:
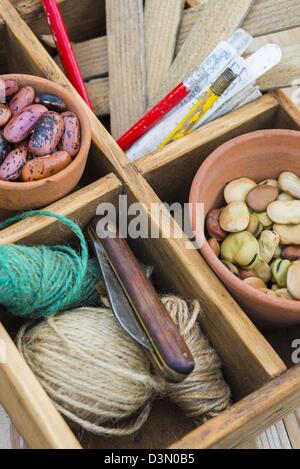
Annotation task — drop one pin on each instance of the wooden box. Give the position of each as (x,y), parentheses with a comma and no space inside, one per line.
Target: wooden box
(265,384)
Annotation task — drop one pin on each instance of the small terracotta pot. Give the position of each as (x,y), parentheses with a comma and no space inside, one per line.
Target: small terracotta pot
(31,195)
(258,155)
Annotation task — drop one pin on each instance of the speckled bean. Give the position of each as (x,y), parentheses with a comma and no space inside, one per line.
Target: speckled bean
(5,148)
(47,134)
(51,101)
(45,166)
(11,87)
(23,99)
(12,166)
(5,114)
(20,126)
(70,140)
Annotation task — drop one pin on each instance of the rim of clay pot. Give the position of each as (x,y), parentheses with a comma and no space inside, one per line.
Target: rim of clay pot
(86,133)
(224,274)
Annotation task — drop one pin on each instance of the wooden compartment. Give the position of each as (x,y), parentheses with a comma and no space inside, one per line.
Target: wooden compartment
(171,170)
(240,343)
(263,391)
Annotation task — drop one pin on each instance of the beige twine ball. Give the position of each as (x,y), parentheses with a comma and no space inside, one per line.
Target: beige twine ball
(99,378)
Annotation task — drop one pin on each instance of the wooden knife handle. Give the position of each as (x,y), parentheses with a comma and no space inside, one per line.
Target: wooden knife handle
(164,334)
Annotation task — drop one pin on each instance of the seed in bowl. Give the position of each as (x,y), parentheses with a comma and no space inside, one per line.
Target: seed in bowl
(39,136)
(259,232)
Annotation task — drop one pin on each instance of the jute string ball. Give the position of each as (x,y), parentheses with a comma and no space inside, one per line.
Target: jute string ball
(99,378)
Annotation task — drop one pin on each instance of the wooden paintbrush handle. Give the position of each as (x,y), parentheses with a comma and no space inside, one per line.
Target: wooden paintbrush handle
(164,334)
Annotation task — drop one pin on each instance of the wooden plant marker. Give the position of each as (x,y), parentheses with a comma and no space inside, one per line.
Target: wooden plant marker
(216,22)
(127,71)
(162,21)
(286,73)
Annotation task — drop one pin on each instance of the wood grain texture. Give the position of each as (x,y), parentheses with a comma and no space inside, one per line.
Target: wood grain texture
(84,18)
(126,59)
(292,425)
(286,73)
(265,17)
(91,55)
(275,437)
(261,408)
(162,20)
(216,22)
(79,206)
(98,91)
(269,16)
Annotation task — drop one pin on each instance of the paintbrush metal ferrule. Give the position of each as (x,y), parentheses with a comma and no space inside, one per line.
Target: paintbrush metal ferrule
(203,105)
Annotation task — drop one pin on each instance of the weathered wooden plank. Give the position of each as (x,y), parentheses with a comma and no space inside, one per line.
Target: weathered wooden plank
(269,16)
(9,437)
(126,59)
(262,409)
(275,437)
(216,22)
(98,90)
(265,17)
(84,18)
(162,20)
(91,55)
(292,425)
(286,72)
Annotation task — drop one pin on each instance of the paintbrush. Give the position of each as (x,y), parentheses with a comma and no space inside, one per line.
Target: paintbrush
(236,45)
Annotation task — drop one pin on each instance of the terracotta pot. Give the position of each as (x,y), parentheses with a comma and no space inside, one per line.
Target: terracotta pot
(258,155)
(31,195)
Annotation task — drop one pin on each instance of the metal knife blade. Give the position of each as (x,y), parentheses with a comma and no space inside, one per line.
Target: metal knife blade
(120,303)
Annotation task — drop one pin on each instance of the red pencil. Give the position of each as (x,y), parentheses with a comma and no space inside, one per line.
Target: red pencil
(153,116)
(65,49)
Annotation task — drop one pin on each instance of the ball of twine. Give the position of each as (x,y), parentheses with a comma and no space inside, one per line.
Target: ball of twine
(41,280)
(99,378)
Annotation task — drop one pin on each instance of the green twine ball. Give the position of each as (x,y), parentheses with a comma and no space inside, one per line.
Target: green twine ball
(39,281)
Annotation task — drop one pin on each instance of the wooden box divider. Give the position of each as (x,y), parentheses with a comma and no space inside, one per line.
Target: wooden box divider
(236,339)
